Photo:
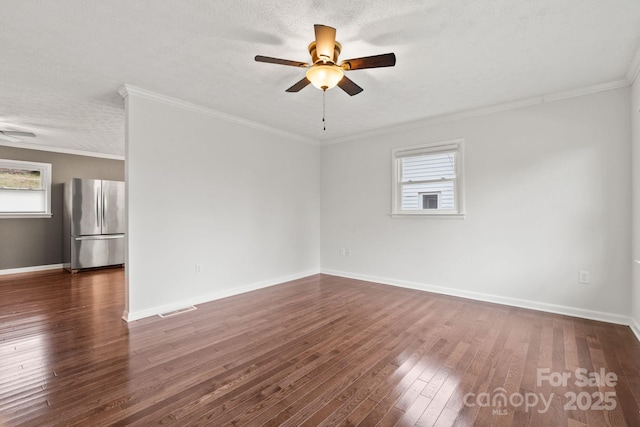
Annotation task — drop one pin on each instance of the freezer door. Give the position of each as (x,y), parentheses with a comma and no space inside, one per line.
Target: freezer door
(113,219)
(86,207)
(97,251)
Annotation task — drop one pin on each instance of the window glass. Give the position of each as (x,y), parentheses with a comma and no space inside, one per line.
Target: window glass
(427,179)
(25,189)
(430,201)
(20,179)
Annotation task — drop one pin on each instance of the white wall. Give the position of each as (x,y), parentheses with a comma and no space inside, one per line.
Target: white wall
(242,202)
(548,193)
(635,132)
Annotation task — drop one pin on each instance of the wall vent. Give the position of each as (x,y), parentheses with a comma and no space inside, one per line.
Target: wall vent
(179,311)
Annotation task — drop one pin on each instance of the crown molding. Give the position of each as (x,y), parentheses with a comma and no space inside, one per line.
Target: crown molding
(482,111)
(61,150)
(589,90)
(126,90)
(634,68)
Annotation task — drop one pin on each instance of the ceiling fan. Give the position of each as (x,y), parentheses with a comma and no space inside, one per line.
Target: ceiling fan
(324,72)
(14,135)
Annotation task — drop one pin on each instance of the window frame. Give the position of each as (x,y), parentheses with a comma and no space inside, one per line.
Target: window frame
(455,146)
(45,177)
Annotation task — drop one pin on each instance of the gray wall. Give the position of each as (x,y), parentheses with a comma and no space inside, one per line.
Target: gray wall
(38,241)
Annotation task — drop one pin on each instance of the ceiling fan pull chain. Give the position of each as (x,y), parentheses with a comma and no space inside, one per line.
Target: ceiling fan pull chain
(324,122)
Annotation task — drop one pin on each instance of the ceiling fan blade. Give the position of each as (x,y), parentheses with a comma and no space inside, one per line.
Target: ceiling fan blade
(299,86)
(325,41)
(376,61)
(269,60)
(16,133)
(347,85)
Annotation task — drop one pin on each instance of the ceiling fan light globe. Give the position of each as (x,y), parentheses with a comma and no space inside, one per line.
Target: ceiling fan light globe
(325,76)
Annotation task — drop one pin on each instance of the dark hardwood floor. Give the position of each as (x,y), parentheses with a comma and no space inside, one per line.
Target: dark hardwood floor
(317,351)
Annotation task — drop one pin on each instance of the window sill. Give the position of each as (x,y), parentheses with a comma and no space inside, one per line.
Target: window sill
(430,215)
(25,215)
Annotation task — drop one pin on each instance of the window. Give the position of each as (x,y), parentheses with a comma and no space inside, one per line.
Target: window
(429,200)
(427,180)
(25,189)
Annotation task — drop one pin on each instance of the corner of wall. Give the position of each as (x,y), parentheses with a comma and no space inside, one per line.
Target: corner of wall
(635,203)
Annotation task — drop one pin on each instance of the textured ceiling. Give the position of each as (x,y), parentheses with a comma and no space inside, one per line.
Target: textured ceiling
(63,61)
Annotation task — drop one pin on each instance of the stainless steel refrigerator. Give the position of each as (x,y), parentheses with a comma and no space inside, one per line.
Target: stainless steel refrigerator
(93,224)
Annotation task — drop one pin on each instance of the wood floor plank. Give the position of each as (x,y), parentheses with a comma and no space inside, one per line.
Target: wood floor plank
(322,350)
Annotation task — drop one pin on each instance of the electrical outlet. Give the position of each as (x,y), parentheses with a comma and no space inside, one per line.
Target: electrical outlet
(584,277)
(348,252)
(198,268)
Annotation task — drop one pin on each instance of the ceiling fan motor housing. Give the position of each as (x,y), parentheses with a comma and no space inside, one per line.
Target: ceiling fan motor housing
(314,54)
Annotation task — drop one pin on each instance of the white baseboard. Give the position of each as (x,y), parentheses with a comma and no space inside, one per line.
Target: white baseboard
(30,269)
(153,311)
(515,302)
(635,327)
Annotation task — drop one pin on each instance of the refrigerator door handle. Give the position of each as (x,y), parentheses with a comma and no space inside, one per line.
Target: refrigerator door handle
(98,211)
(104,208)
(101,237)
